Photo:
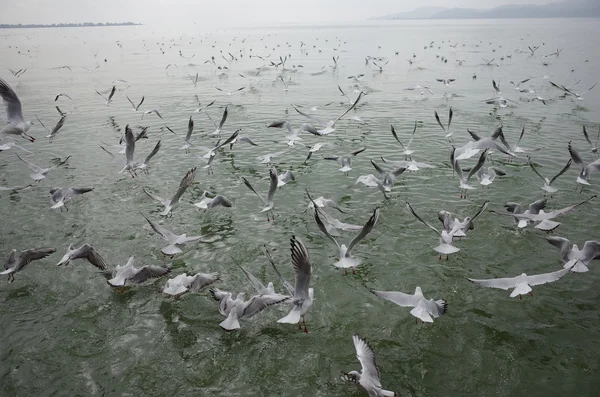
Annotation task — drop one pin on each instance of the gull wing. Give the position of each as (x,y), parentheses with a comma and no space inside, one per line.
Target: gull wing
(273,184)
(536,206)
(366,357)
(301,266)
(546,277)
(378,168)
(478,166)
(320,223)
(140,104)
(186,182)
(536,171)
(437,118)
(502,283)
(481,210)
(88,252)
(57,127)
(31,166)
(34,254)
(223,118)
(202,280)
(130,144)
(563,244)
(450,114)
(359,151)
(591,250)
(169,236)
(112,92)
(350,108)
(14,113)
(256,283)
(252,188)
(310,117)
(367,228)
(152,153)
(148,272)
(412,211)
(130,101)
(566,167)
(396,137)
(228,140)
(188,137)
(289,288)
(399,298)
(565,210)
(259,303)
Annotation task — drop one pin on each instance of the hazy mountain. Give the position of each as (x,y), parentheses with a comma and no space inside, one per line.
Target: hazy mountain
(565,9)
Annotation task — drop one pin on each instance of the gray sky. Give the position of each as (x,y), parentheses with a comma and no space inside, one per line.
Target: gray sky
(223,12)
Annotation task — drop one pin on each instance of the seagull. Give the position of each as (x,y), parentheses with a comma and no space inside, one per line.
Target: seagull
(10,144)
(212,152)
(586,170)
(230,92)
(16,124)
(61,94)
(56,128)
(135,107)
(518,87)
(129,150)
(411,165)
(194,79)
(144,165)
(548,188)
(238,308)
(522,284)
(322,202)
(516,148)
(112,92)
(457,228)
(220,127)
(380,66)
(419,87)
(387,178)
(464,182)
(446,82)
(315,148)
(576,260)
(293,134)
(303,296)
(256,283)
(155,111)
(268,203)
(368,378)
(266,158)
(486,177)
(446,130)
(86,252)
(208,203)
(186,182)
(188,137)
(328,127)
(568,91)
(445,247)
(346,161)
(129,274)
(284,178)
(183,283)
(60,196)
(424,309)
(14,265)
(17,73)
(472,148)
(407,152)
(173,239)
(544,219)
(533,208)
(345,256)
(594,146)
(40,173)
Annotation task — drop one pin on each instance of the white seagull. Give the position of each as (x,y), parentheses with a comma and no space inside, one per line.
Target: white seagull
(268,202)
(183,283)
(445,247)
(329,126)
(14,265)
(424,309)
(110,96)
(16,125)
(522,284)
(186,182)
(548,188)
(173,239)
(575,259)
(128,274)
(40,173)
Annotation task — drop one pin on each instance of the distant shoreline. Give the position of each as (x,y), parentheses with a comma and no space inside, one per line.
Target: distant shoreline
(478,17)
(68,25)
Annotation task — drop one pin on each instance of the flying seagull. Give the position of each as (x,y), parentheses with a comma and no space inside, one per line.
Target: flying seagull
(14,265)
(16,124)
(522,284)
(424,309)
(186,182)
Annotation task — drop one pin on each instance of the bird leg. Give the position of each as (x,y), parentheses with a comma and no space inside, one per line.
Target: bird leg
(11,277)
(299,326)
(446,256)
(440,257)
(531,293)
(305,328)
(417,321)
(353,271)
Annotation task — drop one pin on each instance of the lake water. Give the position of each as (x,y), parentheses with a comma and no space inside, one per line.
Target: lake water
(66,333)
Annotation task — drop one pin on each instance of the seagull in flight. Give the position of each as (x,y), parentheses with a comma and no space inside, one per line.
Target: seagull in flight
(219,128)
(128,274)
(576,260)
(594,146)
(445,247)
(586,170)
(14,265)
(183,283)
(446,82)
(60,196)
(346,160)
(548,188)
(186,182)
(133,105)
(424,309)
(86,252)
(173,239)
(56,128)
(269,204)
(446,130)
(40,173)
(16,124)
(406,149)
(522,284)
(329,126)
(110,96)
(59,95)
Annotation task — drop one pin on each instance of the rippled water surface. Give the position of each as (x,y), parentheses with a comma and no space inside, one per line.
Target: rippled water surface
(66,333)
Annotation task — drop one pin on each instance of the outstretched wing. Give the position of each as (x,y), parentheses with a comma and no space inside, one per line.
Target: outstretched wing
(301,266)
(152,153)
(367,228)
(412,211)
(14,113)
(186,182)
(366,357)
(148,272)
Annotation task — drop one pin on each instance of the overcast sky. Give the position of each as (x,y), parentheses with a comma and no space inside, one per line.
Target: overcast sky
(223,12)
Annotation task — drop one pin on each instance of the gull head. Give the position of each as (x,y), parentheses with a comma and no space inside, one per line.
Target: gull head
(66,258)
(352,376)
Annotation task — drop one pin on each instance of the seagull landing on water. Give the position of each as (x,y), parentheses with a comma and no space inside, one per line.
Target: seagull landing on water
(208,203)
(86,252)
(522,284)
(183,283)
(128,274)
(548,188)
(464,182)
(14,114)
(40,173)
(406,149)
(446,130)
(424,309)
(346,160)
(368,378)
(14,265)
(135,107)
(576,260)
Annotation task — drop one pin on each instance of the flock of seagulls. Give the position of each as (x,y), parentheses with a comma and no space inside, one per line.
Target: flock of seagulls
(298,297)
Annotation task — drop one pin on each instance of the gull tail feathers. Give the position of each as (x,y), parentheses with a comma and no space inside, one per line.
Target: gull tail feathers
(293,317)
(521,289)
(422,314)
(231,322)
